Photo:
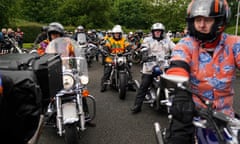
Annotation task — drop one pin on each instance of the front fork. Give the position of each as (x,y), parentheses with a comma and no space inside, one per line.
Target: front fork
(81,112)
(59,118)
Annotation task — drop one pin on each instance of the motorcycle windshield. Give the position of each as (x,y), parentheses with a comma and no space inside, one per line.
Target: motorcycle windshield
(73,56)
(81,38)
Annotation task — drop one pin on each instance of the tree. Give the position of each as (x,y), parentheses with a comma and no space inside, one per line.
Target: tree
(133,14)
(6,12)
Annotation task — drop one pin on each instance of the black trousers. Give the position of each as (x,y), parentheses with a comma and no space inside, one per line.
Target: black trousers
(145,83)
(180,133)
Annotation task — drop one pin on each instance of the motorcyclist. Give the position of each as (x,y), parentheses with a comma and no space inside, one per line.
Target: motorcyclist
(80,36)
(209,58)
(42,36)
(93,38)
(55,30)
(116,44)
(157,45)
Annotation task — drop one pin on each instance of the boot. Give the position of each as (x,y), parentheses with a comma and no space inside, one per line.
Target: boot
(136,109)
(103,88)
(131,86)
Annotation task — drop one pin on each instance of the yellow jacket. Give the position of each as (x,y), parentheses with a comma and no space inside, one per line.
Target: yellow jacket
(117,46)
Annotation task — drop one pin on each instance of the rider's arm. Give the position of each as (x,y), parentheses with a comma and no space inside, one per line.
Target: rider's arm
(179,63)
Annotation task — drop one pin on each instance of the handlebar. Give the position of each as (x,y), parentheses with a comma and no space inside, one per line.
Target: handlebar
(218,121)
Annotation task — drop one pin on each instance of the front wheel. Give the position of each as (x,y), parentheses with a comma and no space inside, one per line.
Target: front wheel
(136,58)
(122,84)
(71,134)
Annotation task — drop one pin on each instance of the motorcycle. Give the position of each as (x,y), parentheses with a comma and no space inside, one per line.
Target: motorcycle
(91,52)
(156,66)
(136,55)
(9,45)
(119,72)
(68,109)
(212,127)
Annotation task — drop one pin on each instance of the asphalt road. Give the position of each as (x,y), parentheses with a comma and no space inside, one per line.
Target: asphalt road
(114,122)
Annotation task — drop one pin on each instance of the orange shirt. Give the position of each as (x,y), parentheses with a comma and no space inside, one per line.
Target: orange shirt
(211,76)
(42,46)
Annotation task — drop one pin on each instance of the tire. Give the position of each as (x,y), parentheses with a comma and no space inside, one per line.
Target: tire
(71,134)
(136,58)
(122,85)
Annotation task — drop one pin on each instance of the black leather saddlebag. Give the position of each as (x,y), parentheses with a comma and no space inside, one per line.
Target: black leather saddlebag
(47,69)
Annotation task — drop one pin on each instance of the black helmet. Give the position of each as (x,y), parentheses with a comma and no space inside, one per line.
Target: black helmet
(44,28)
(217,9)
(55,27)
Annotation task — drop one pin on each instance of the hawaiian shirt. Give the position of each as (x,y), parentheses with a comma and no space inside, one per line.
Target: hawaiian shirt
(212,76)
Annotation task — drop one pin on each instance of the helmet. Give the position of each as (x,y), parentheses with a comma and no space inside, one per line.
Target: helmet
(158,26)
(139,33)
(44,28)
(55,27)
(89,32)
(156,71)
(109,31)
(117,29)
(217,9)
(94,31)
(80,28)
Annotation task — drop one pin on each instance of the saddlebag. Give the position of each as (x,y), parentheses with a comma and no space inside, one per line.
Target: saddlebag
(34,80)
(47,69)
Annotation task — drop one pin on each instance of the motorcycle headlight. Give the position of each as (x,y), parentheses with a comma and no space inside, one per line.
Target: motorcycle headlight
(84,79)
(68,81)
(121,60)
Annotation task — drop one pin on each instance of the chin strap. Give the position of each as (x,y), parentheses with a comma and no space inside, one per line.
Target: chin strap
(211,45)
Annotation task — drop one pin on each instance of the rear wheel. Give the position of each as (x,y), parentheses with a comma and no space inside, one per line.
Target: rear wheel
(122,83)
(71,134)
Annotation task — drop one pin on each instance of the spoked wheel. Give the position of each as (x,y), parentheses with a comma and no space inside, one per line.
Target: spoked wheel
(71,134)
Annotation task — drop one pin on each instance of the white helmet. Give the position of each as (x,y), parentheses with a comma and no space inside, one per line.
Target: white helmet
(80,27)
(57,24)
(117,29)
(158,26)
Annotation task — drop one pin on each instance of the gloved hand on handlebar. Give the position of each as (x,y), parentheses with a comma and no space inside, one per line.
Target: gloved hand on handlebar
(183,107)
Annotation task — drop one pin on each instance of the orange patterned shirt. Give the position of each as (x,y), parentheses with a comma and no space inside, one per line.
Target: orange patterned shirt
(211,76)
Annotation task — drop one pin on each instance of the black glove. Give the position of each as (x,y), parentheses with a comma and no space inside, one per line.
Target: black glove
(183,107)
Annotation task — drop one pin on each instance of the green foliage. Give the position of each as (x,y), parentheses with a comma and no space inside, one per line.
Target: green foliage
(176,40)
(101,14)
(232,30)
(27,45)
(7,12)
